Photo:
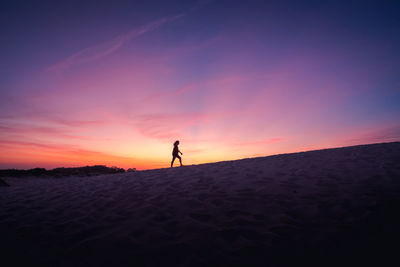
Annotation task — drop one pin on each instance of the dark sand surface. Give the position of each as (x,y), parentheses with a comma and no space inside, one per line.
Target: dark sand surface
(334,207)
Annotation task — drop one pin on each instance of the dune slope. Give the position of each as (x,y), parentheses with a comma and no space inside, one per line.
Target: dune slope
(320,208)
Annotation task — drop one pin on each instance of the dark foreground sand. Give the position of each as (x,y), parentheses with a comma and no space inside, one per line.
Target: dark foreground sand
(335,207)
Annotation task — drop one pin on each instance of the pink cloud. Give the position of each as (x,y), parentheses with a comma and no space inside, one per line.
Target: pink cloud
(161,96)
(167,126)
(23,144)
(365,135)
(40,131)
(76,123)
(260,142)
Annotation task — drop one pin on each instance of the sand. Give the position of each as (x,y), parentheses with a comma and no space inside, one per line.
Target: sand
(334,207)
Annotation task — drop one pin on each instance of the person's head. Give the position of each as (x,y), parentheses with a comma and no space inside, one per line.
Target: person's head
(176,143)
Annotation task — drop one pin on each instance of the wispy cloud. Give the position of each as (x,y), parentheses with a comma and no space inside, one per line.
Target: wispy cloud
(260,142)
(76,123)
(106,48)
(39,131)
(37,116)
(389,133)
(167,126)
(59,149)
(101,50)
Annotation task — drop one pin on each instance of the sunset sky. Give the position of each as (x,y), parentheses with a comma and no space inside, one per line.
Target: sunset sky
(117,82)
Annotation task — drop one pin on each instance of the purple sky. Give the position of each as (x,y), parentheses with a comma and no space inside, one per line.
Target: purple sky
(117,82)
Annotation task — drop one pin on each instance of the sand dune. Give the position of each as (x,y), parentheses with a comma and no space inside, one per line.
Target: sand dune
(334,207)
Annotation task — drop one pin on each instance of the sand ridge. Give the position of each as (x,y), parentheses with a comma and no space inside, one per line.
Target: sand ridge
(268,211)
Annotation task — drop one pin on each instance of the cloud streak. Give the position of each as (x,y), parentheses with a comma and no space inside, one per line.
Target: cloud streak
(261,142)
(167,126)
(40,131)
(106,48)
(389,133)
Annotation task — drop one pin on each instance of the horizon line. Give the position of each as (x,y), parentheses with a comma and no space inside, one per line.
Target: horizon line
(265,156)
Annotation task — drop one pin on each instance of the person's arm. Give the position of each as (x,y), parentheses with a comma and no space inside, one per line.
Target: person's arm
(180,152)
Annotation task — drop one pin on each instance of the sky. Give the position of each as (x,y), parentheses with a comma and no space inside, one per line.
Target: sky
(117,82)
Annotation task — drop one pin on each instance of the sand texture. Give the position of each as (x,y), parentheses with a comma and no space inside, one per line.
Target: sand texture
(334,207)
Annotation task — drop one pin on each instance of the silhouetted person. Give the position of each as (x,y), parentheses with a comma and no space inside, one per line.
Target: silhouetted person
(175,153)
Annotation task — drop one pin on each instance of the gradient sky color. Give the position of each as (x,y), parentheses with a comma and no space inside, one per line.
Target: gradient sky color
(117,82)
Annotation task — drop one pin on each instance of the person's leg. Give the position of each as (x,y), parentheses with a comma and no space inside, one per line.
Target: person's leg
(180,159)
(172,162)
